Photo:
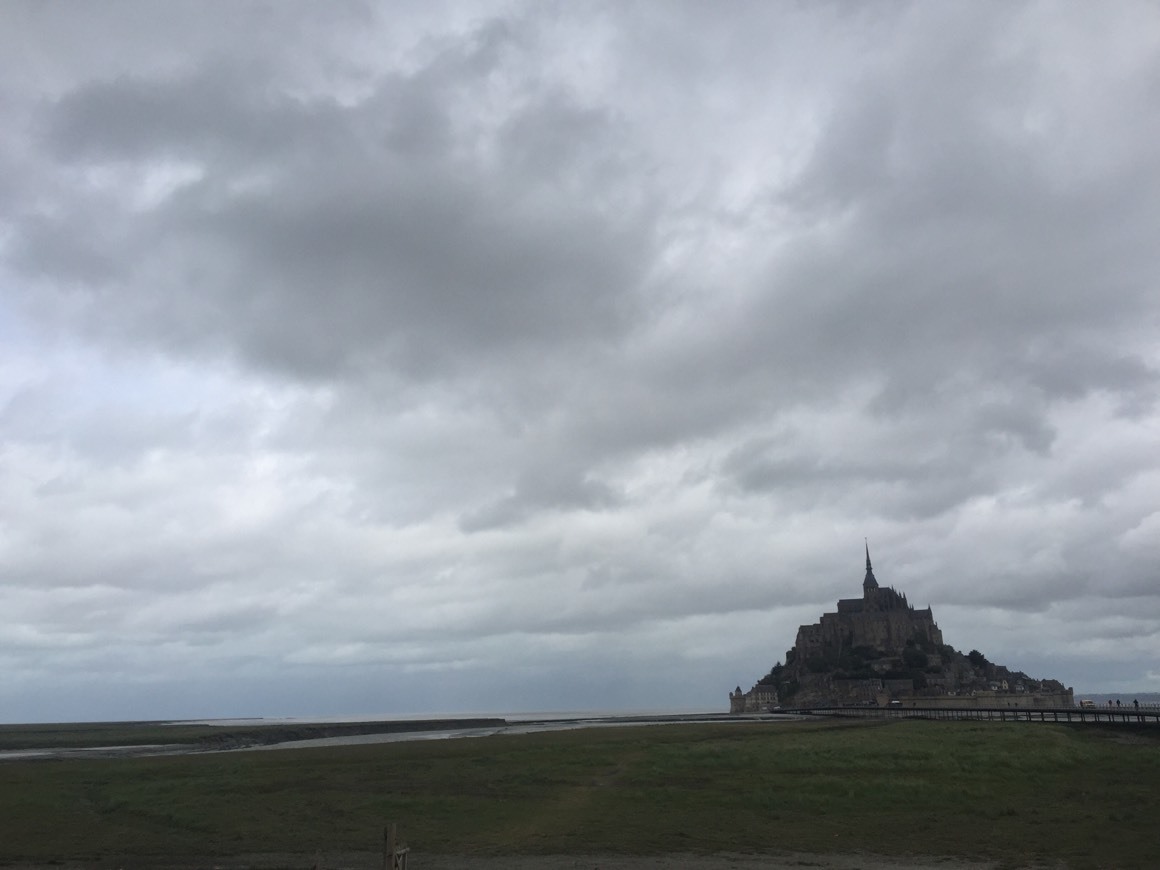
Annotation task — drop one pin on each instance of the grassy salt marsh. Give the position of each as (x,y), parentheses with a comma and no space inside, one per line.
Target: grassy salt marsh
(1014,793)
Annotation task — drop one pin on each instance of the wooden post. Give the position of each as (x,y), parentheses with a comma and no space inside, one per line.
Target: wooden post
(389,846)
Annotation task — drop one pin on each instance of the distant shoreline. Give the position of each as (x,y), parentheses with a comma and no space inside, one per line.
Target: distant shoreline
(137,739)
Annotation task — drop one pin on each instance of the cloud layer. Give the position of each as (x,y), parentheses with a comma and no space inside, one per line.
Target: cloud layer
(529,356)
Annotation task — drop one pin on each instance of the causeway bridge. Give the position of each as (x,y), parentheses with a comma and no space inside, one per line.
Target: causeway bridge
(1103,715)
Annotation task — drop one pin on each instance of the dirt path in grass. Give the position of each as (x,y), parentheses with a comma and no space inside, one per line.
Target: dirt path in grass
(373,861)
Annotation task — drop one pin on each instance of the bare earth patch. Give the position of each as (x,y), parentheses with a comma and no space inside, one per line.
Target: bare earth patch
(692,862)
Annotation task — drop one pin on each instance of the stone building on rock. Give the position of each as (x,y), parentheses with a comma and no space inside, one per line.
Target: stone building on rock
(879,649)
(881,619)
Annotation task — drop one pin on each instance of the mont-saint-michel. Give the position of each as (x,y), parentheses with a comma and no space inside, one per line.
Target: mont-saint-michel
(878,650)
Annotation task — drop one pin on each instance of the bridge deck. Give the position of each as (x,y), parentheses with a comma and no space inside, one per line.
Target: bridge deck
(1002,714)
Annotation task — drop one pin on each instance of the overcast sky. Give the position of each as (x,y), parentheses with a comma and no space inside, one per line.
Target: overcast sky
(427,357)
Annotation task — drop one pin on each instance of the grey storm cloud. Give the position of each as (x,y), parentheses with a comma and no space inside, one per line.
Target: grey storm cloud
(330,237)
(521,355)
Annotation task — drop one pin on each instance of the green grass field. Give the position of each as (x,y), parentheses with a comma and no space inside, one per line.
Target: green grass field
(71,735)
(1015,792)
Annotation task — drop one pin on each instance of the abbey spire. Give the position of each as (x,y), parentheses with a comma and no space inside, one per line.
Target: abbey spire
(869,582)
